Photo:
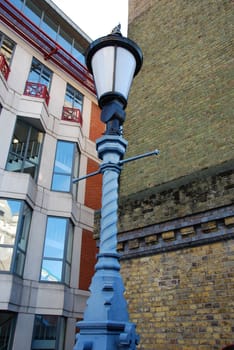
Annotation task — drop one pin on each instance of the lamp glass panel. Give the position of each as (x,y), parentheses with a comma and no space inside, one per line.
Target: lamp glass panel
(103,67)
(125,69)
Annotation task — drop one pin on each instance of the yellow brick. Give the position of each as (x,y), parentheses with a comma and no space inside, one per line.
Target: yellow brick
(209,226)
(133,244)
(229,221)
(168,235)
(187,231)
(151,239)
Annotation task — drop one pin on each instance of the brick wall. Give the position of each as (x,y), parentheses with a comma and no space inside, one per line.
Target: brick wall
(176,215)
(87,260)
(97,127)
(183,300)
(93,189)
(182,101)
(198,192)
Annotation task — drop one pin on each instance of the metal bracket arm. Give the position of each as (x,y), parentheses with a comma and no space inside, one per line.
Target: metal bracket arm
(121,162)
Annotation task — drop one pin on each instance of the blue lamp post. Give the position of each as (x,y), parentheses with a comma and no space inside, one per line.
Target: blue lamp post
(114,61)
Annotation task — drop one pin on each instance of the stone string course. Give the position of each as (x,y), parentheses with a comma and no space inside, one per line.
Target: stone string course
(195,230)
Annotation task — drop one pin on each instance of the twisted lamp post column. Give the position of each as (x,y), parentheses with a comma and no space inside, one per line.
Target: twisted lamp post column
(106,323)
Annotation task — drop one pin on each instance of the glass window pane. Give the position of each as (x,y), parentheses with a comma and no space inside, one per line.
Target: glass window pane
(6,47)
(18,3)
(61,183)
(45,76)
(5,258)
(77,52)
(55,237)
(64,157)
(63,166)
(25,226)
(19,263)
(48,333)
(32,11)
(65,40)
(15,218)
(25,150)
(9,215)
(7,327)
(73,98)
(51,270)
(39,73)
(69,243)
(50,27)
(67,273)
(76,171)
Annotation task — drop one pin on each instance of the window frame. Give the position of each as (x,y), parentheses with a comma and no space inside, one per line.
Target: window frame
(73,91)
(28,128)
(75,168)
(60,330)
(2,36)
(13,319)
(68,237)
(18,235)
(42,70)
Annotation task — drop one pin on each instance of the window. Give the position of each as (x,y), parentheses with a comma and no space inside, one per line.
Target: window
(65,40)
(32,11)
(56,264)
(56,31)
(25,150)
(73,98)
(18,3)
(77,52)
(73,105)
(48,333)
(7,328)
(49,26)
(40,74)
(65,167)
(15,219)
(6,47)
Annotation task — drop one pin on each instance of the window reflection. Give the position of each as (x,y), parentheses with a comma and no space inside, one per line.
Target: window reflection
(32,11)
(15,219)
(49,332)
(56,264)
(66,163)
(6,47)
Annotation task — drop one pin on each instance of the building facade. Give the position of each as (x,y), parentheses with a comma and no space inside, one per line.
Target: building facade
(176,224)
(49,122)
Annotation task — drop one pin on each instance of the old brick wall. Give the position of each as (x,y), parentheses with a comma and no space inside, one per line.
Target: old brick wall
(182,101)
(183,300)
(198,192)
(176,214)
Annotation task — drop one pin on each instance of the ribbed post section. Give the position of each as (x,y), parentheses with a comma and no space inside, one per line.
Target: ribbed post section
(106,323)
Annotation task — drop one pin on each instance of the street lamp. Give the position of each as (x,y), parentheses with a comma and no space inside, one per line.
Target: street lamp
(114,61)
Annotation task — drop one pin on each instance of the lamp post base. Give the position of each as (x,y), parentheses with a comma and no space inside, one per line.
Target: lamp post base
(106,325)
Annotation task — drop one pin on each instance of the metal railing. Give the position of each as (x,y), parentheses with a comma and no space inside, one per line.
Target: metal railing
(37,90)
(72,114)
(27,30)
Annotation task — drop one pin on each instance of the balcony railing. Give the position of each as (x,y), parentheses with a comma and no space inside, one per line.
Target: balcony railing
(72,115)
(4,68)
(37,90)
(27,30)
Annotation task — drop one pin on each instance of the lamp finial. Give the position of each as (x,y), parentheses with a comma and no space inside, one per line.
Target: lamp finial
(117,30)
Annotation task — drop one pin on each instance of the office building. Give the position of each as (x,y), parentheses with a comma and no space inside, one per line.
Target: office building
(49,122)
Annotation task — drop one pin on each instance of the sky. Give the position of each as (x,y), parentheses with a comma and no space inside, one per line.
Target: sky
(96,18)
